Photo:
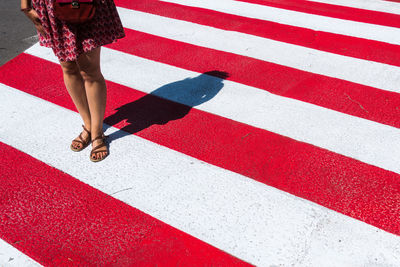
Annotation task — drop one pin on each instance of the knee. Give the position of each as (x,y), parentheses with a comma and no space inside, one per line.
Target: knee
(91,74)
(70,68)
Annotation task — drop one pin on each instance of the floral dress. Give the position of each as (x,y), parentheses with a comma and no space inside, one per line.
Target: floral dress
(68,41)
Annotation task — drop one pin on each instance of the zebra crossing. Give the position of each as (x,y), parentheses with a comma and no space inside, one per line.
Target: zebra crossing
(241,132)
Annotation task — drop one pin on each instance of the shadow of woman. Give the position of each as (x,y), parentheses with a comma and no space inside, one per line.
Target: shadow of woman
(170,102)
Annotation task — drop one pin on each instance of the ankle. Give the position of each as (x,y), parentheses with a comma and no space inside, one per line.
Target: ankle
(96,132)
(87,126)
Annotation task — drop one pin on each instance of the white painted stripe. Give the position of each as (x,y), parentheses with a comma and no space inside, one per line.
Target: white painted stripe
(374,5)
(365,140)
(250,220)
(366,72)
(10,256)
(299,19)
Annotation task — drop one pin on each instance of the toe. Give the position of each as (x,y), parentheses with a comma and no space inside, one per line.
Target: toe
(76,145)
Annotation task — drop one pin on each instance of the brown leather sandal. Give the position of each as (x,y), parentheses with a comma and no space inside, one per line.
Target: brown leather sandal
(80,140)
(95,150)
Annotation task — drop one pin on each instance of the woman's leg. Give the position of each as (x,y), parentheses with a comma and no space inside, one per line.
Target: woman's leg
(74,83)
(96,92)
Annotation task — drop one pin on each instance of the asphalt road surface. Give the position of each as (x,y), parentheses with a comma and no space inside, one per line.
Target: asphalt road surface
(17,32)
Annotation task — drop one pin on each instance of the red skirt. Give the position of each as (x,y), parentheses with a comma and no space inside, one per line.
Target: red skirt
(68,41)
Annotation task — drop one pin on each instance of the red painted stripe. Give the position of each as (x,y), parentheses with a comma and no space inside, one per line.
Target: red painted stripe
(334,11)
(329,42)
(351,98)
(356,189)
(58,220)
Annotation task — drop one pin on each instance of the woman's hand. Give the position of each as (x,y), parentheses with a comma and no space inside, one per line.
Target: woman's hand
(34,17)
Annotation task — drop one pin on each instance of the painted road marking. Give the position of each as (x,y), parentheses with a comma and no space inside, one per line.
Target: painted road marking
(299,19)
(325,41)
(210,196)
(258,154)
(383,76)
(57,203)
(382,6)
(252,221)
(364,140)
(334,11)
(10,256)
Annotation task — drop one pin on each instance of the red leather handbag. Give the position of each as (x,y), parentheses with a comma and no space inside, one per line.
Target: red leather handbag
(74,11)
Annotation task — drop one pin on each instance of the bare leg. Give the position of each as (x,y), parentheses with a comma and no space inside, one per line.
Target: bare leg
(74,83)
(96,92)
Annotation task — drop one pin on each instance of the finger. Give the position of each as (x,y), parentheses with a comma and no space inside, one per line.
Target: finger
(41,30)
(32,14)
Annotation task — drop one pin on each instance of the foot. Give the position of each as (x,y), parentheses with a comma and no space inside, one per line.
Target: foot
(82,140)
(99,148)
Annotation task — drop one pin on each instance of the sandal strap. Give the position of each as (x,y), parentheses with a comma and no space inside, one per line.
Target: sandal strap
(102,136)
(83,126)
(78,141)
(98,146)
(97,151)
(81,140)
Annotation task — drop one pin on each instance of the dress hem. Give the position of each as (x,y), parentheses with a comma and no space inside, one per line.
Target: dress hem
(114,40)
(69,41)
